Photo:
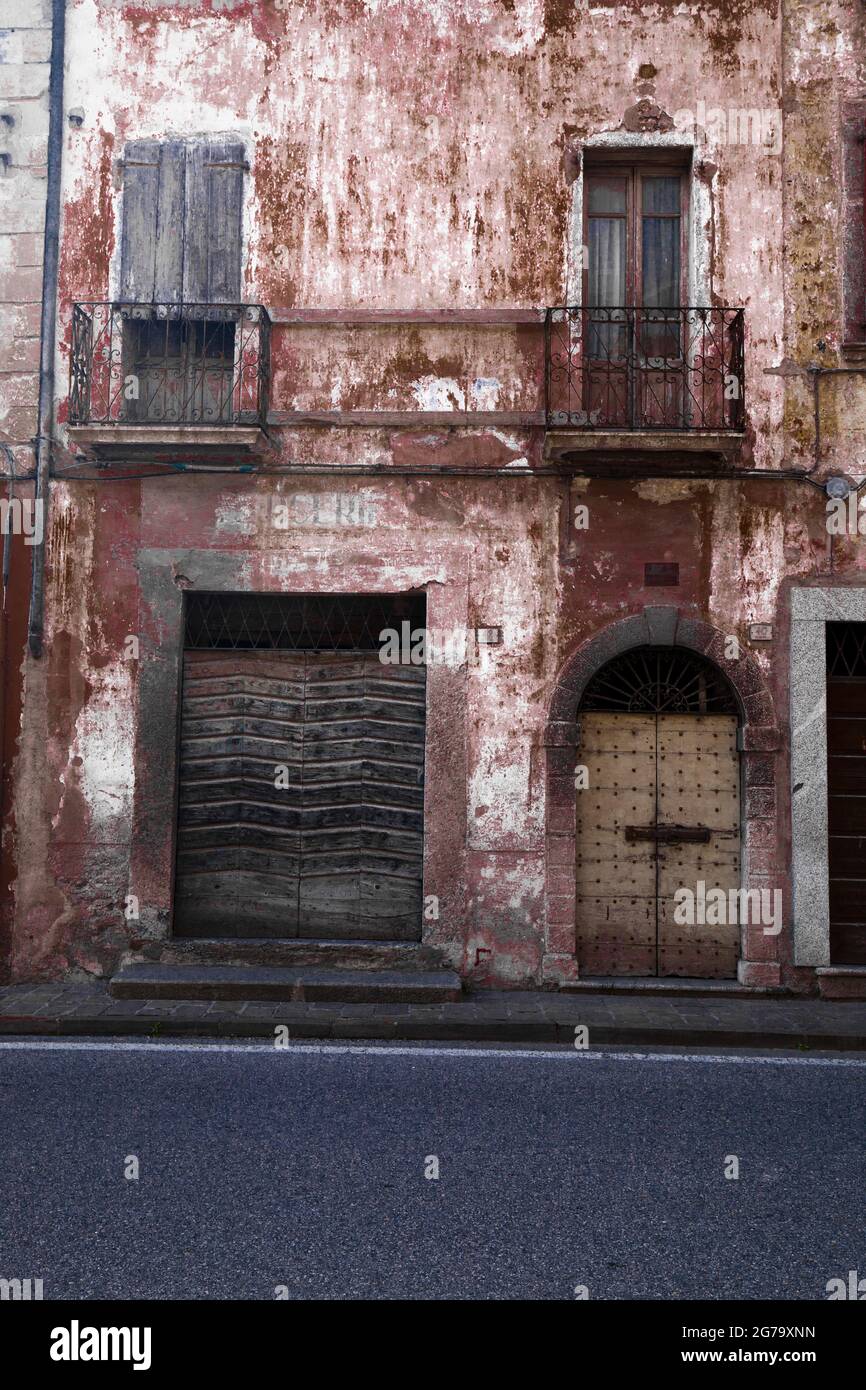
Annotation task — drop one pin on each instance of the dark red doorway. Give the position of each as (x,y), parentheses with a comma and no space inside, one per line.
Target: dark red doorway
(846,791)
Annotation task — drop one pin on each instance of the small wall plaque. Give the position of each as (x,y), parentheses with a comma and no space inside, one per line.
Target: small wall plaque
(760,632)
(661,575)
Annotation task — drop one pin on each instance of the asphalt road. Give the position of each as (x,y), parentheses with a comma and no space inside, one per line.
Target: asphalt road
(305,1169)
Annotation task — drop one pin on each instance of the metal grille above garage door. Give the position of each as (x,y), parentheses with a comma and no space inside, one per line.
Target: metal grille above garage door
(286,689)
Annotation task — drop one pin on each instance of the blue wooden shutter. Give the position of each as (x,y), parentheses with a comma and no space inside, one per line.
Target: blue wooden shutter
(152,236)
(214,214)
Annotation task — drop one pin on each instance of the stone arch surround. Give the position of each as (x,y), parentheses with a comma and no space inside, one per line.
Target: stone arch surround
(759,743)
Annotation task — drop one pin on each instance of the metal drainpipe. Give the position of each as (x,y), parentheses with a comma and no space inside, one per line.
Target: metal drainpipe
(50,249)
(4,622)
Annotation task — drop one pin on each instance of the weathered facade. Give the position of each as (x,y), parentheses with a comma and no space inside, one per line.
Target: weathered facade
(537,326)
(25,48)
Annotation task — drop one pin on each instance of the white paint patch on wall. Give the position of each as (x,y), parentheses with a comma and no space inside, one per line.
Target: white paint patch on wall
(520,31)
(325,569)
(499,783)
(512,30)
(438,393)
(524,882)
(484,393)
(296,572)
(104,741)
(236,515)
(764,567)
(606,565)
(511,441)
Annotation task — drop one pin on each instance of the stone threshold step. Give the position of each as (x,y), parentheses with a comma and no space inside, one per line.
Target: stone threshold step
(240,982)
(842,981)
(295,953)
(670,987)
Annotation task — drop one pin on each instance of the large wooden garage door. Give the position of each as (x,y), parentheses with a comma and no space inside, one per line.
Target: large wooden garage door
(300,800)
(846,790)
(661,812)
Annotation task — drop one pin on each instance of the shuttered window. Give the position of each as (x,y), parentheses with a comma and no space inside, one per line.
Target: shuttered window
(182,221)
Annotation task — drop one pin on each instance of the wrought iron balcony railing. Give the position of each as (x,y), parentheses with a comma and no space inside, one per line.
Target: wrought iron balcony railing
(169,364)
(644,369)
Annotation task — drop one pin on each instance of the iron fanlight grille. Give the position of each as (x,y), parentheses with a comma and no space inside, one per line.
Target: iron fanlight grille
(659,680)
(846,651)
(298,622)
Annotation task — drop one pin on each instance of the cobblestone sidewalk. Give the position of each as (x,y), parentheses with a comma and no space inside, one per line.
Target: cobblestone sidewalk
(488,1016)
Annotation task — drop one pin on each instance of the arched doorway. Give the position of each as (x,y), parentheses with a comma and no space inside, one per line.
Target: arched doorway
(658,812)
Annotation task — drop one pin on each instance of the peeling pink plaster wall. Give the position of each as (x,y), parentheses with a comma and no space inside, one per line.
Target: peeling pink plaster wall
(408,156)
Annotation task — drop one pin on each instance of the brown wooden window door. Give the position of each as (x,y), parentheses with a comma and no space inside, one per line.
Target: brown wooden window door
(185,368)
(634,286)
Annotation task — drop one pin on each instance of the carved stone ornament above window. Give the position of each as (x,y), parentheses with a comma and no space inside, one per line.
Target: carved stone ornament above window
(647,118)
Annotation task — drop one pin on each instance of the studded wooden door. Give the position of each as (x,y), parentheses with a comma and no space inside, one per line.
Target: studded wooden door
(300,807)
(660,812)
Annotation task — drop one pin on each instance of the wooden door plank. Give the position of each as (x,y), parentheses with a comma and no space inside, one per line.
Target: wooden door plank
(615,879)
(363,792)
(338,851)
(238,843)
(699,785)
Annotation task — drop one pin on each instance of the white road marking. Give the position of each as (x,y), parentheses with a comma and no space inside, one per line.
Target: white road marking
(503,1054)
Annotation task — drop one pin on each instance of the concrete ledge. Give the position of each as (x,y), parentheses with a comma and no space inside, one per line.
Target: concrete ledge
(688,446)
(108,439)
(674,987)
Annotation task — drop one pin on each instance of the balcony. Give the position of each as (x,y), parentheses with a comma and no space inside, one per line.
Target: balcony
(169,377)
(622,384)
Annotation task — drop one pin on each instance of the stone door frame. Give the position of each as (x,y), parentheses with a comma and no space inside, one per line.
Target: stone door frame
(164,575)
(811,610)
(759,742)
